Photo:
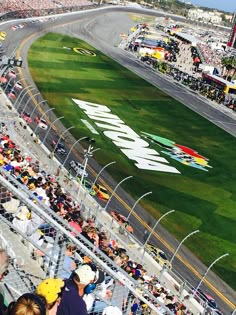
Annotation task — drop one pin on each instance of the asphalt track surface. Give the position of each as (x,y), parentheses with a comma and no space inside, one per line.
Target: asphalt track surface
(102,30)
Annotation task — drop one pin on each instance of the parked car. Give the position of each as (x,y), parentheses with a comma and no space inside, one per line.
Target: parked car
(78,168)
(159,256)
(41,122)
(101,192)
(122,220)
(59,147)
(26,117)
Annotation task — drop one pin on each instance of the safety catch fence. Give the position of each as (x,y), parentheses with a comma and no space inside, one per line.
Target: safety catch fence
(40,252)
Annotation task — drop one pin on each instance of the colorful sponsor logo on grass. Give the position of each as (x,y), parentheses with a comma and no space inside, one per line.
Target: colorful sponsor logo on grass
(137,149)
(180,153)
(126,139)
(85,52)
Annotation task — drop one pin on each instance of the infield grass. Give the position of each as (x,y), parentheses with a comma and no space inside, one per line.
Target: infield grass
(202,200)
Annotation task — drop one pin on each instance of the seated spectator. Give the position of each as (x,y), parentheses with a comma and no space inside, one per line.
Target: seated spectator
(69,263)
(74,221)
(28,304)
(121,259)
(170,302)
(51,290)
(181,309)
(72,299)
(93,301)
(89,222)
(4,262)
(22,219)
(90,233)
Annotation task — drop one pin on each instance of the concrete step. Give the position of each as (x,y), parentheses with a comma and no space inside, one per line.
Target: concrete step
(25,273)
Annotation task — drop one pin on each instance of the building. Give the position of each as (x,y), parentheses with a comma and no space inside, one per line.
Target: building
(232,38)
(204,16)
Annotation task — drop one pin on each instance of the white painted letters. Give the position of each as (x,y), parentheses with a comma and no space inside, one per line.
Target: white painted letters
(129,142)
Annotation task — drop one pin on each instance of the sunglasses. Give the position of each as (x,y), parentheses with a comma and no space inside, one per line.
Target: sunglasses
(4,274)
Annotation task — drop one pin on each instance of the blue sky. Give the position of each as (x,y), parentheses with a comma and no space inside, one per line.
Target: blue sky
(226,5)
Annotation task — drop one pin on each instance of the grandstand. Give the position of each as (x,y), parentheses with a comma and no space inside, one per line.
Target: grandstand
(14,5)
(34,8)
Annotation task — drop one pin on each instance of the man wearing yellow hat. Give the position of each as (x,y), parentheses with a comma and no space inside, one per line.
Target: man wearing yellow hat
(51,290)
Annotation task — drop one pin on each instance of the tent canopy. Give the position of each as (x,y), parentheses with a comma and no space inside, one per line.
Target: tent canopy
(187,37)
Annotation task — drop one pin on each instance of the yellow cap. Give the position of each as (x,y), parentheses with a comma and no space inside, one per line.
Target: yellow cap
(50,289)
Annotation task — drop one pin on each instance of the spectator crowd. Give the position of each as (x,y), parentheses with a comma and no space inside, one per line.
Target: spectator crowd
(211,57)
(28,8)
(80,285)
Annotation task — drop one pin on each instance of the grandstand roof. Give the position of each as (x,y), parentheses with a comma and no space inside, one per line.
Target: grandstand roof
(192,39)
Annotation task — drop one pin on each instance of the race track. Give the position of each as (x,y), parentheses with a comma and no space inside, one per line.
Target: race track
(102,28)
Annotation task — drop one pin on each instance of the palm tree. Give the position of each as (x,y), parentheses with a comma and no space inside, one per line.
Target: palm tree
(229,66)
(234,67)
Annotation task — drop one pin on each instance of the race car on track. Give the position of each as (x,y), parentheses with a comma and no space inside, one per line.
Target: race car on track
(122,220)
(12,74)
(3,35)
(159,256)
(26,117)
(88,187)
(12,95)
(18,86)
(41,123)
(78,168)
(59,147)
(208,300)
(101,192)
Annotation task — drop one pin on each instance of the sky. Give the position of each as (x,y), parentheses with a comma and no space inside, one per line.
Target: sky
(226,5)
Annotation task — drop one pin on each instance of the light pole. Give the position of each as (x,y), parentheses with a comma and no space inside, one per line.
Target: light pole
(30,98)
(178,247)
(113,192)
(88,153)
(205,274)
(25,88)
(153,229)
(37,105)
(108,164)
(137,201)
(58,141)
(31,88)
(44,114)
(72,147)
(45,137)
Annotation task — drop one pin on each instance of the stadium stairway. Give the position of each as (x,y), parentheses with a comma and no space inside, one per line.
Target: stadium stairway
(24,271)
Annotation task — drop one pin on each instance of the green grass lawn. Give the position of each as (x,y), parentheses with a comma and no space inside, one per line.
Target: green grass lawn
(202,200)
